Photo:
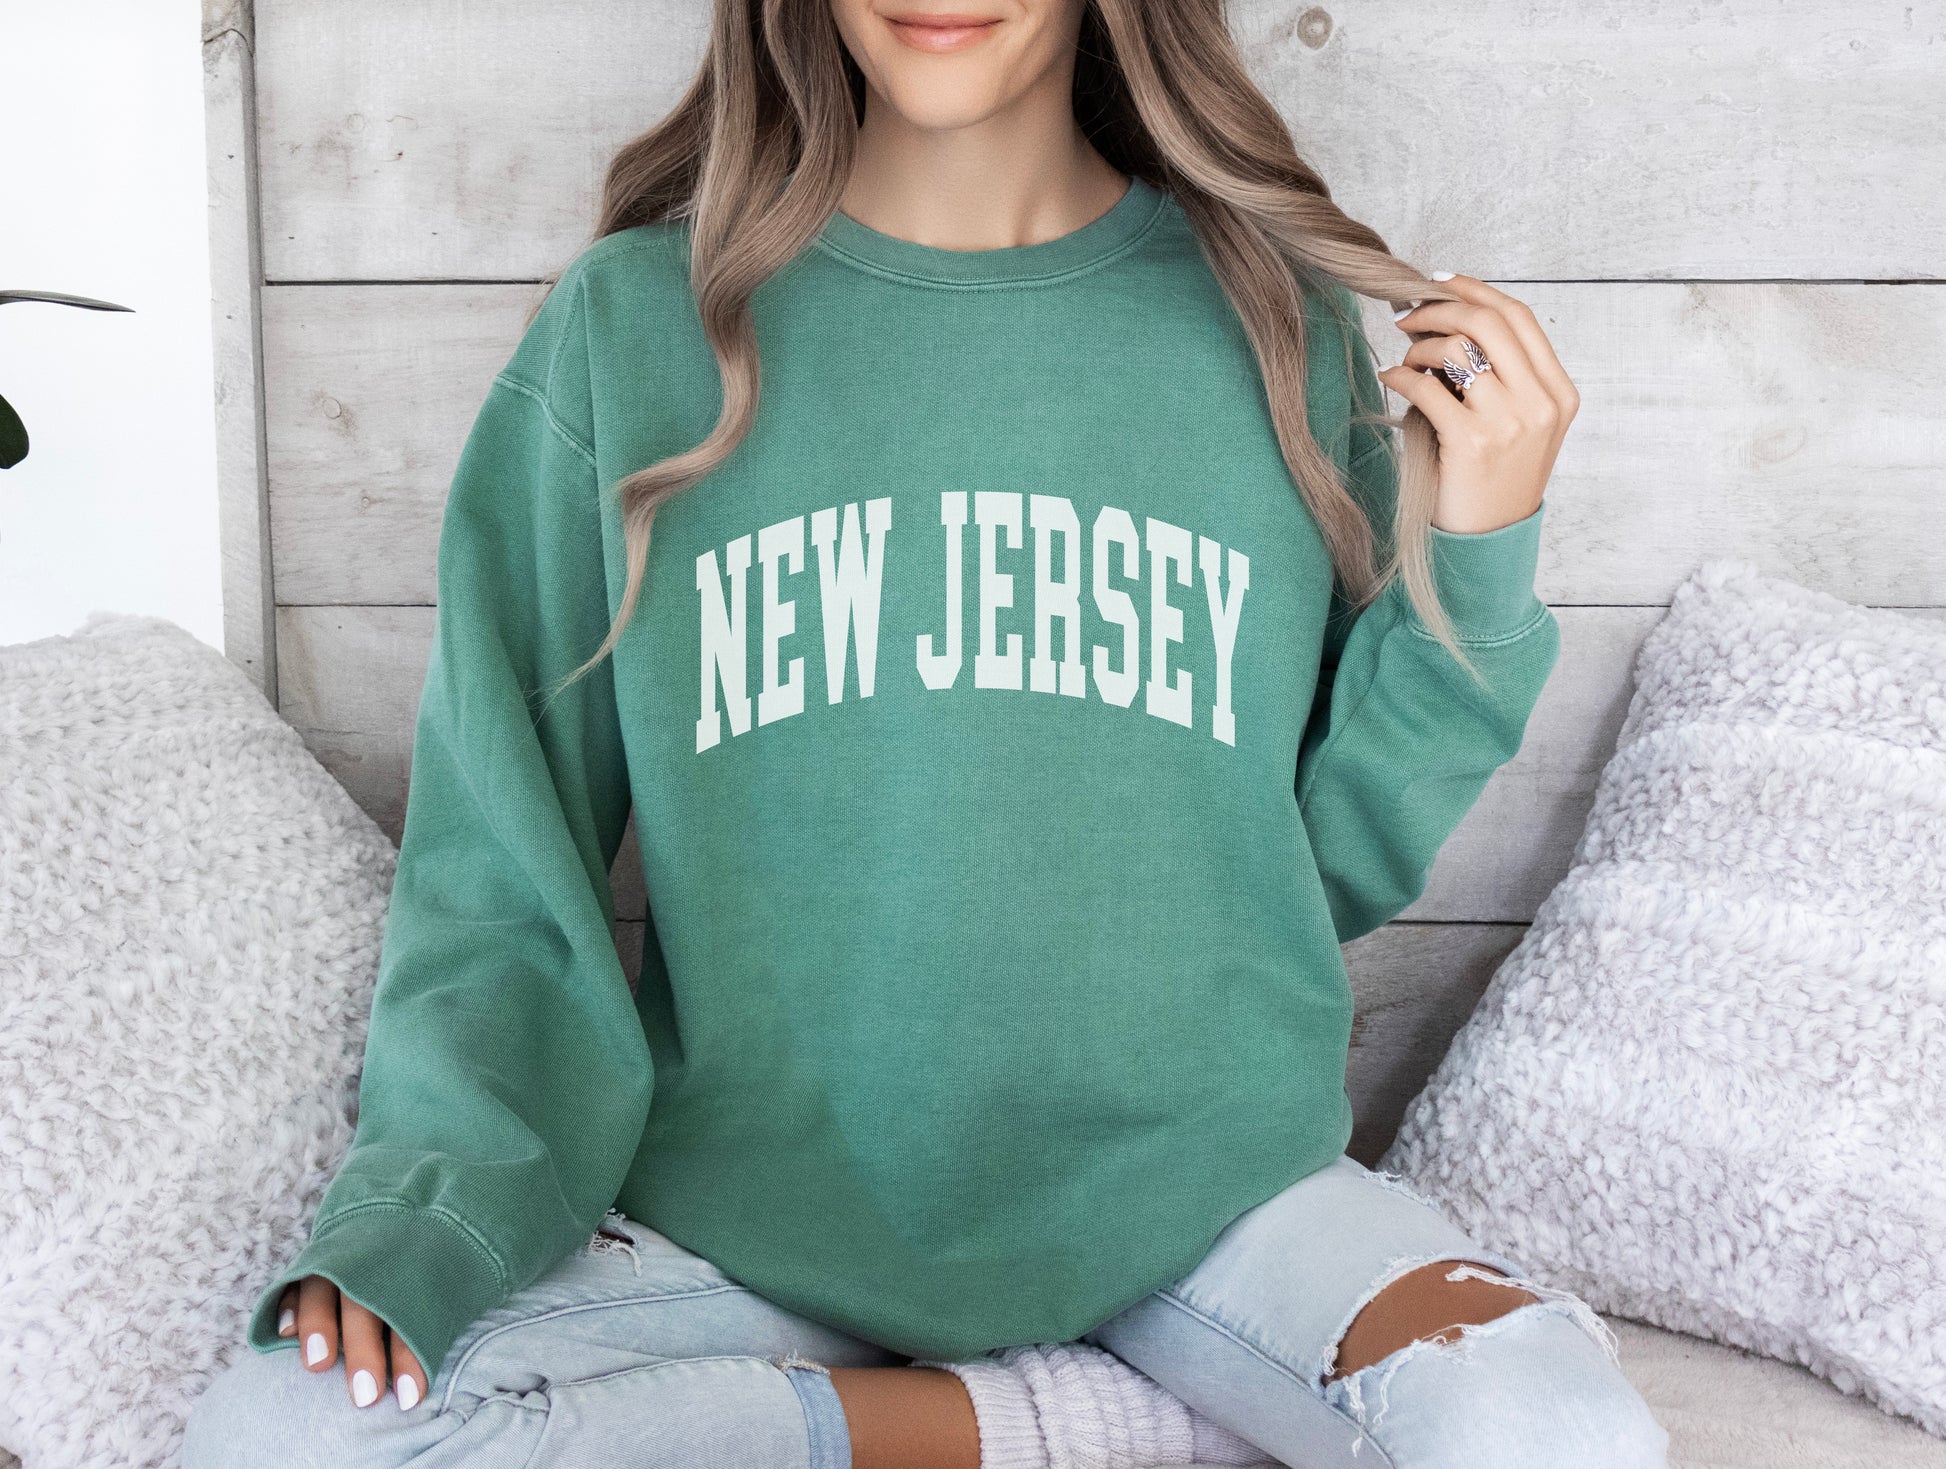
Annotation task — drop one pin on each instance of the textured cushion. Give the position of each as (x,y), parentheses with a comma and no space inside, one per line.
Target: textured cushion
(1708,1088)
(1727,1409)
(191,911)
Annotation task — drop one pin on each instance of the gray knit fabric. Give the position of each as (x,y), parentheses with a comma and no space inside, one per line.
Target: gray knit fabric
(191,916)
(1069,1405)
(1708,1089)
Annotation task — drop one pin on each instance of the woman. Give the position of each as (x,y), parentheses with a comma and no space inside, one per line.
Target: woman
(1057,666)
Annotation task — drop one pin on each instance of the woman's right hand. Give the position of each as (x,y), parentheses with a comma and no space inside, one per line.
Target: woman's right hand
(320,1318)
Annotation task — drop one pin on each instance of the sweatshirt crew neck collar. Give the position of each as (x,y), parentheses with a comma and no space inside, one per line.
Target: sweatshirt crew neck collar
(1093,244)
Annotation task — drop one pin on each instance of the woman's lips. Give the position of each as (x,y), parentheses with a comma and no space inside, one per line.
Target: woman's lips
(939,33)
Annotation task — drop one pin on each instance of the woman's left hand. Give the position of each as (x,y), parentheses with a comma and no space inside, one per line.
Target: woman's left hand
(1498,442)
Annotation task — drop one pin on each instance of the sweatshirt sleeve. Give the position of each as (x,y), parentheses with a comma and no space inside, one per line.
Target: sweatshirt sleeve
(506,1076)
(1401,741)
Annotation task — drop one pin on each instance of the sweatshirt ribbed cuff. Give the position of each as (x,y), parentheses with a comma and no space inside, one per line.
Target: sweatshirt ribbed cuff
(1485,579)
(418,1270)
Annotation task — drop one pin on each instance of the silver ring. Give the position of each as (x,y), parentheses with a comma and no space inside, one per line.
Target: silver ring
(1462,377)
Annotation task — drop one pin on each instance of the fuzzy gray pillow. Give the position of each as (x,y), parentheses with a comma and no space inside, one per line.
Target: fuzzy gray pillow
(1708,1088)
(191,911)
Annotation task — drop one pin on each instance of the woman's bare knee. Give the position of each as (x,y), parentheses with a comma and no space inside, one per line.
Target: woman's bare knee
(1424,1305)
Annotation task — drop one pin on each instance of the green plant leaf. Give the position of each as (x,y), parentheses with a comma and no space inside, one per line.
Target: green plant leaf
(13,436)
(13,433)
(56,298)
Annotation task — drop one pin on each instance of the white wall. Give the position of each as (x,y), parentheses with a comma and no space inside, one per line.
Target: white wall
(115,506)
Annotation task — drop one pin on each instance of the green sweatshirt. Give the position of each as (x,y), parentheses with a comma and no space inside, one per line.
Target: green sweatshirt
(1006,772)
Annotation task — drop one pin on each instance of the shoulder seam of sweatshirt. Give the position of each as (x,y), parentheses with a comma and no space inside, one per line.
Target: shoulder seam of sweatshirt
(547,411)
(574,281)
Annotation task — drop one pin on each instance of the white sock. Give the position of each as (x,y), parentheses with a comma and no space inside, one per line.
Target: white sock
(1069,1405)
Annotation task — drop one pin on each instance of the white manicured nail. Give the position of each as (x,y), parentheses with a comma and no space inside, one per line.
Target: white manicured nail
(286,1320)
(364,1388)
(1442,275)
(408,1390)
(1403,311)
(316,1348)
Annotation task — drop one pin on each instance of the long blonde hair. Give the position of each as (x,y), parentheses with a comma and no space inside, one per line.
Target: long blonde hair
(757,154)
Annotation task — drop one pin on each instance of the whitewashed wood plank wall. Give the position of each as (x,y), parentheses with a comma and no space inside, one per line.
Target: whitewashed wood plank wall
(1730,217)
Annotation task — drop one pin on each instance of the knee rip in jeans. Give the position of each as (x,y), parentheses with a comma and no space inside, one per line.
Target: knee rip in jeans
(1551,1300)
(610,1238)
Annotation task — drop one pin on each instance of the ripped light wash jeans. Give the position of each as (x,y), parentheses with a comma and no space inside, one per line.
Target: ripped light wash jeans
(637,1352)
